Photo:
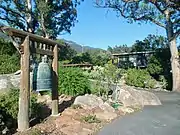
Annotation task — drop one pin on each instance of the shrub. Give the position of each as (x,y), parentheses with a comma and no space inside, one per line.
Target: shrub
(73,82)
(154,66)
(9,107)
(139,78)
(91,119)
(6,47)
(9,64)
(76,106)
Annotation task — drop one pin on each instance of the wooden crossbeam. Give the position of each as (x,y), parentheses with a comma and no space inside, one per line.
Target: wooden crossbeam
(22,34)
(43,52)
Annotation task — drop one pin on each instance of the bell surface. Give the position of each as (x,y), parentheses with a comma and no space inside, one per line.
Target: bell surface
(44,80)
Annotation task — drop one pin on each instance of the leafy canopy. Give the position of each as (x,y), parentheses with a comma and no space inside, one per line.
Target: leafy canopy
(45,17)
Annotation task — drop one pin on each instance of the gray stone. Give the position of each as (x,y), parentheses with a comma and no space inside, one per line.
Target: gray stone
(126,109)
(106,107)
(9,81)
(105,115)
(132,97)
(88,101)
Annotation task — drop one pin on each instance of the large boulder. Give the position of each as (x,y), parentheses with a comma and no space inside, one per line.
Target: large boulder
(9,81)
(132,97)
(88,101)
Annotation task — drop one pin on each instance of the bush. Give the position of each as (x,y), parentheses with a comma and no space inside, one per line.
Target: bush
(9,108)
(7,47)
(9,64)
(73,82)
(91,119)
(139,78)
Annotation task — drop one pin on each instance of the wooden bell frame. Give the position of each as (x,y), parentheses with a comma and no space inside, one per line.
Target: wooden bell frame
(42,46)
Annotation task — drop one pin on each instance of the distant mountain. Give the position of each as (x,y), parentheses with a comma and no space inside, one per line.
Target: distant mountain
(79,48)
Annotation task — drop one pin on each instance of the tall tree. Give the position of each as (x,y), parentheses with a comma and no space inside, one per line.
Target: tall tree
(48,18)
(164,13)
(150,43)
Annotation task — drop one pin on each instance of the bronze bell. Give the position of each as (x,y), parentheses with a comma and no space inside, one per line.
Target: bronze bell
(44,79)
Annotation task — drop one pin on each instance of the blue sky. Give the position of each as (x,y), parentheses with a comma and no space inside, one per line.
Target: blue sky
(97,28)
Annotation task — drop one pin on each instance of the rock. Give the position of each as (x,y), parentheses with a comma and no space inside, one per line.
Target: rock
(10,81)
(132,97)
(105,115)
(88,101)
(17,72)
(15,80)
(44,99)
(5,83)
(106,107)
(125,110)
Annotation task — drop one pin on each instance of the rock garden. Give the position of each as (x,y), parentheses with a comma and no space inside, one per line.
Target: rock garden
(87,101)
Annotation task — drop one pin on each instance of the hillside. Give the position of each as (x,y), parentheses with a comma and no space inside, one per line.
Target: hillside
(79,48)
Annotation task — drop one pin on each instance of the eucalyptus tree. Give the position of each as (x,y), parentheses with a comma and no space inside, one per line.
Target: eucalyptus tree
(47,18)
(164,13)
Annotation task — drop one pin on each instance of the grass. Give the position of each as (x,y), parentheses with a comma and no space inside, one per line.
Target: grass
(91,119)
(77,106)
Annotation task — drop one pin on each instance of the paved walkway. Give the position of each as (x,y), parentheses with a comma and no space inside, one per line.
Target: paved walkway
(152,120)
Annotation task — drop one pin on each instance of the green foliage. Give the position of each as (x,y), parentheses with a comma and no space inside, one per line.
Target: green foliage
(9,107)
(77,106)
(119,49)
(154,66)
(7,47)
(111,73)
(9,103)
(150,43)
(99,57)
(91,119)
(73,82)
(66,52)
(9,64)
(159,65)
(9,58)
(139,78)
(163,81)
(82,58)
(48,18)
(104,77)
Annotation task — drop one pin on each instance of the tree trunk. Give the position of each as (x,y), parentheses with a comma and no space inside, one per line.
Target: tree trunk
(175,65)
(29,17)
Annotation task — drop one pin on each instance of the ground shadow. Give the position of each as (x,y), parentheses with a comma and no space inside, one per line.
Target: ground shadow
(66,104)
(43,112)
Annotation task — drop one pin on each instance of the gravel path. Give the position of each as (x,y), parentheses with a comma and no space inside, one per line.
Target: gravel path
(152,120)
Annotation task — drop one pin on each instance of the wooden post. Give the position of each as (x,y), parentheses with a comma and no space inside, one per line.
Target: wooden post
(55,83)
(24,96)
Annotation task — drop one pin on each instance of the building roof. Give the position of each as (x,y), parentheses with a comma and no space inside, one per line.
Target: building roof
(133,53)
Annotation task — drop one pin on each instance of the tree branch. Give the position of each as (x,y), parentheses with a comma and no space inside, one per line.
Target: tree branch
(13,12)
(177,33)
(12,21)
(157,6)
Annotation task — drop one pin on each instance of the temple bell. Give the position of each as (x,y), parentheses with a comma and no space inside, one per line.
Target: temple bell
(42,76)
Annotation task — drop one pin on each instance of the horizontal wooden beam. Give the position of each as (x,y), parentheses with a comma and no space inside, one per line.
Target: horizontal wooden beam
(40,51)
(33,37)
(77,65)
